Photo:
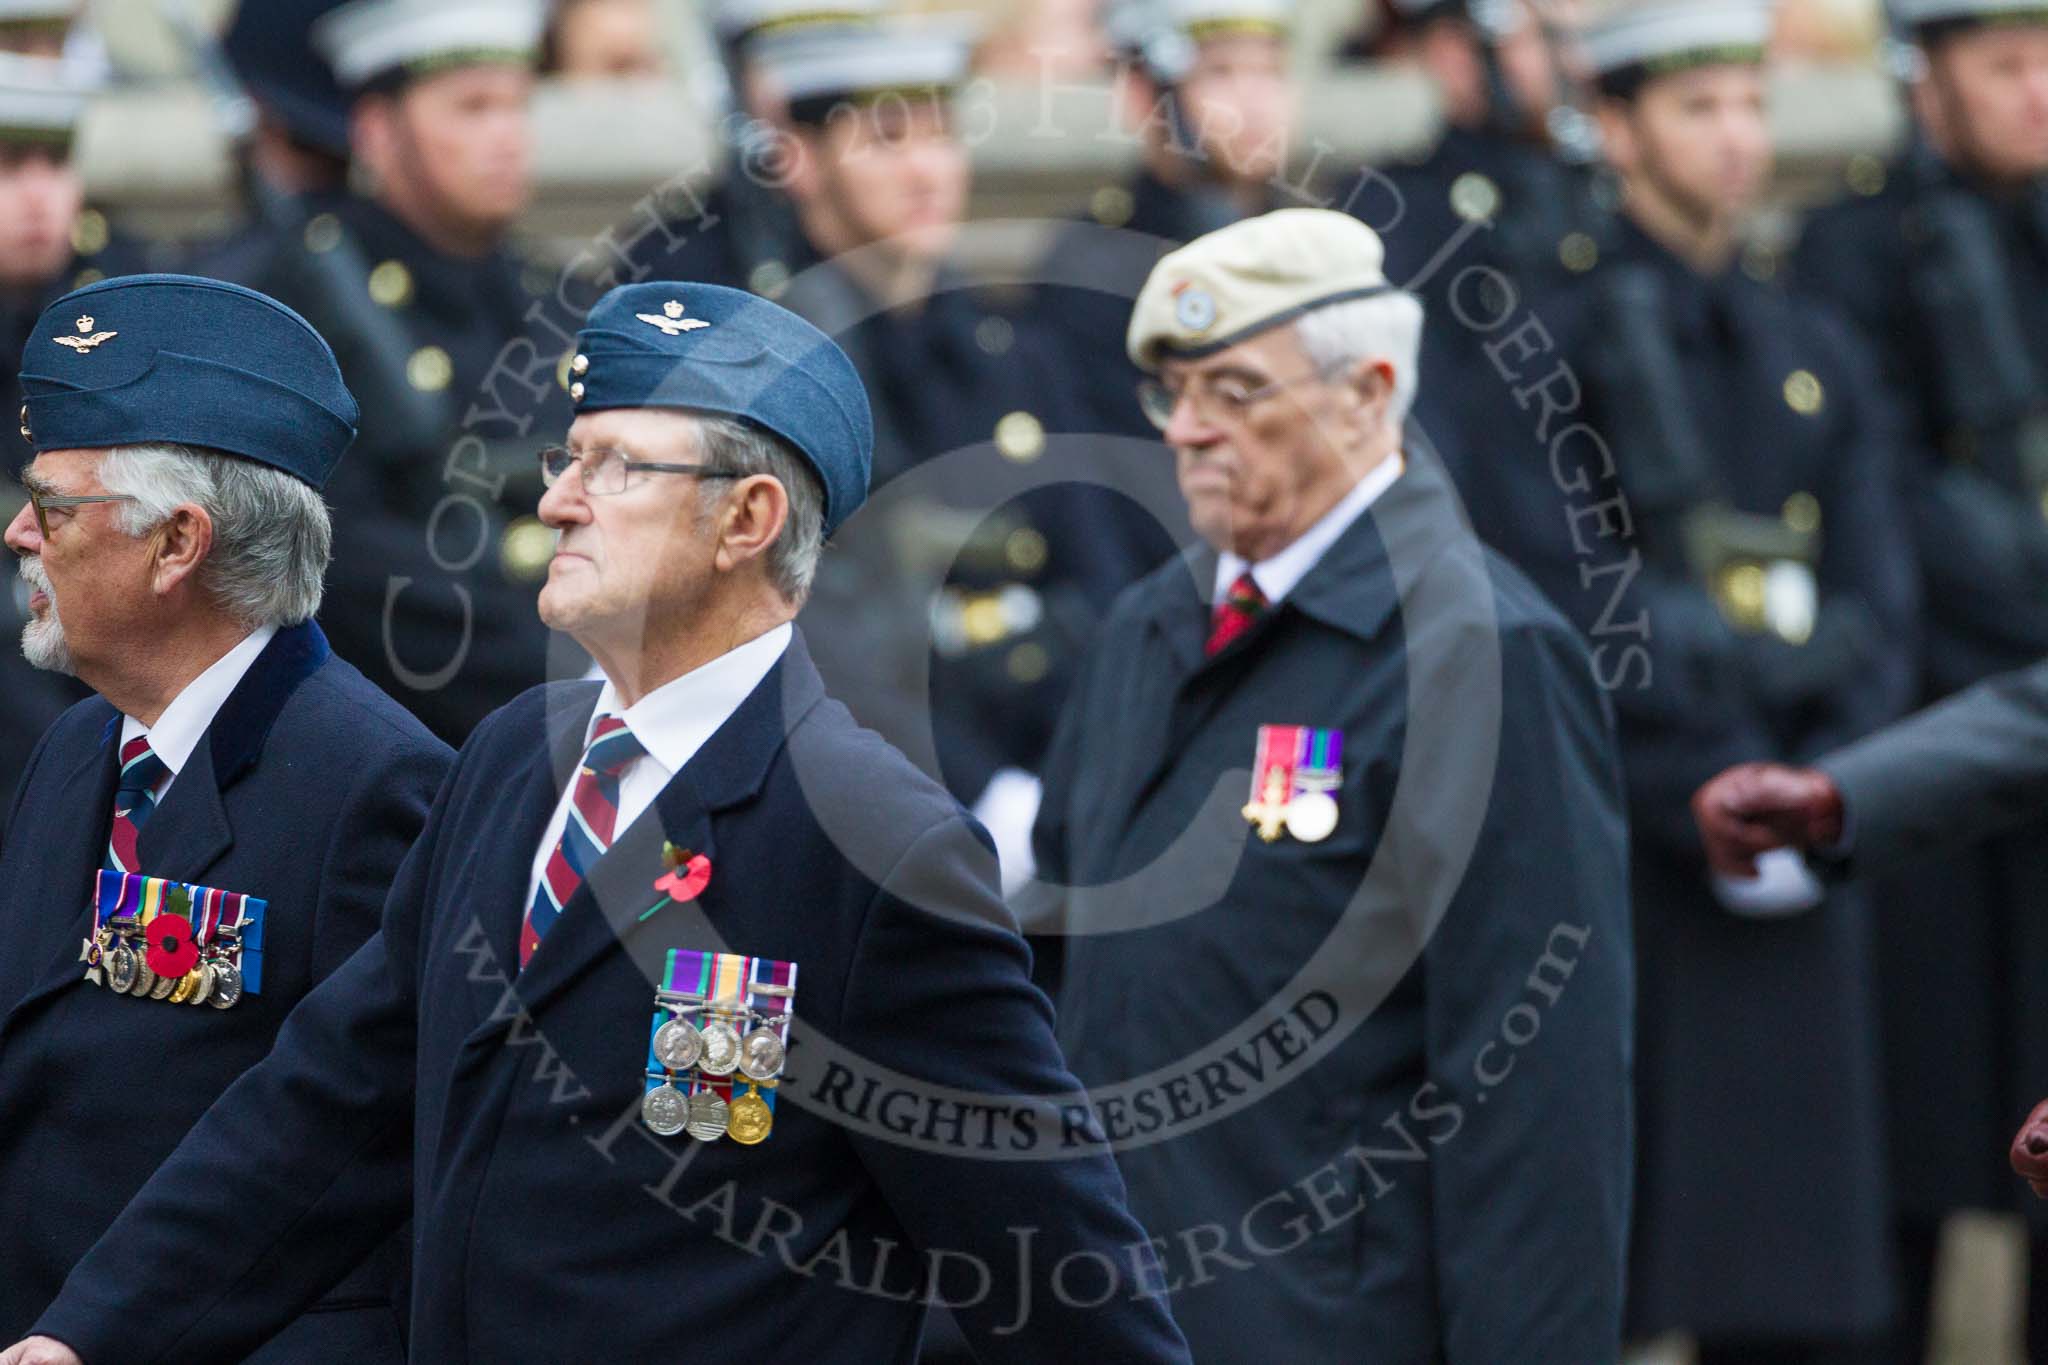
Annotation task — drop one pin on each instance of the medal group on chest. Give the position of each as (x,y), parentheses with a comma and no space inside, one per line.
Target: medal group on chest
(717,1046)
(164,940)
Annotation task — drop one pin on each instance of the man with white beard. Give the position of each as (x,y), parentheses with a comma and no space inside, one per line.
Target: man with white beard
(198,845)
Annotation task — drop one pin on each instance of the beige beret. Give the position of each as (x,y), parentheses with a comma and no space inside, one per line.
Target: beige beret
(1238,281)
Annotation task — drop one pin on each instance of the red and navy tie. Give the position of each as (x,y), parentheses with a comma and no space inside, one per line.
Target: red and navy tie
(134,801)
(1235,613)
(593,814)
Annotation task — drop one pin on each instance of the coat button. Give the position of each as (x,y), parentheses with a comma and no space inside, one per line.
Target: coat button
(391,284)
(430,370)
(1021,437)
(323,233)
(1803,393)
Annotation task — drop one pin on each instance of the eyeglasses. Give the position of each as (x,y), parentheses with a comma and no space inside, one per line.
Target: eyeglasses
(1225,398)
(606,470)
(46,503)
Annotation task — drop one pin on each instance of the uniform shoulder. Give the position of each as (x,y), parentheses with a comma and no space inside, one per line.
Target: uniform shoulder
(865,795)
(339,700)
(1525,615)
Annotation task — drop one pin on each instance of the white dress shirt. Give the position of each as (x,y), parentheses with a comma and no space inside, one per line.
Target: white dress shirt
(672,723)
(1282,573)
(184,723)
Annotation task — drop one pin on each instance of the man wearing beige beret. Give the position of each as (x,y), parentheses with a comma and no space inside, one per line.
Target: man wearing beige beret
(1334,859)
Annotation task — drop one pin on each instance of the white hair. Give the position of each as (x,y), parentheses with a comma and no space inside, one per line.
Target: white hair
(1384,327)
(728,443)
(272,536)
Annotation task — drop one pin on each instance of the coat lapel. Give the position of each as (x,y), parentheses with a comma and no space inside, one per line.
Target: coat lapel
(495,889)
(610,908)
(86,794)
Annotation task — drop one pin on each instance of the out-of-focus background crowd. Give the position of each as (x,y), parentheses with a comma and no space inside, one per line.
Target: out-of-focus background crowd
(1861,528)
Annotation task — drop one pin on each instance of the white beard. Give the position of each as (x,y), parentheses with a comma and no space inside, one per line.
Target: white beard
(42,639)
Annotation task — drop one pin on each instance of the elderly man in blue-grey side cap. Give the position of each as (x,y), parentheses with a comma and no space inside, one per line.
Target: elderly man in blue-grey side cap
(569,1050)
(193,849)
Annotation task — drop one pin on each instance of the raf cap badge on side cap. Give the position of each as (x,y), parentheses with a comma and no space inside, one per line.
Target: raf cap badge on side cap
(744,357)
(197,362)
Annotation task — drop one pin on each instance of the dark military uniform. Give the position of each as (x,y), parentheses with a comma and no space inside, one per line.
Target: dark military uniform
(1087,281)
(1949,282)
(978,564)
(437,559)
(1762,1202)
(1484,218)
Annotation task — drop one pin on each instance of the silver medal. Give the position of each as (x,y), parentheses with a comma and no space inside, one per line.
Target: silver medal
(761,1055)
(163,987)
(709,1116)
(204,989)
(665,1110)
(678,1045)
(227,985)
(721,1049)
(122,964)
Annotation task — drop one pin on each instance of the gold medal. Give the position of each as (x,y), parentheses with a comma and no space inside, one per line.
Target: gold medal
(751,1118)
(183,990)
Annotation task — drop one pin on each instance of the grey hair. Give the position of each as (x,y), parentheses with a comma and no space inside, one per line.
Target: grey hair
(1384,327)
(728,443)
(272,536)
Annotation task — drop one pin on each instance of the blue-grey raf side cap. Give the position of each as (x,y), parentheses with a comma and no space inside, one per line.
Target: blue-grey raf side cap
(1659,36)
(367,40)
(1920,14)
(817,68)
(176,358)
(41,101)
(705,348)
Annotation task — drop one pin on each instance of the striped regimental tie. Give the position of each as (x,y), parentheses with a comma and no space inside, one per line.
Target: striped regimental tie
(134,801)
(593,814)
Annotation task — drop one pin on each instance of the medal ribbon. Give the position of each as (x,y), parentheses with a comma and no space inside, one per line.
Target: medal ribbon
(781,975)
(1319,760)
(1279,748)
(130,895)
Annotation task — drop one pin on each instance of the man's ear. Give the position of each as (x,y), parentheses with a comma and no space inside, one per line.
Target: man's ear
(178,547)
(751,521)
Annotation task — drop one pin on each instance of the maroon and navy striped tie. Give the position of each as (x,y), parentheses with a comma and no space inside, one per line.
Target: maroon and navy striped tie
(593,813)
(134,801)
(1235,613)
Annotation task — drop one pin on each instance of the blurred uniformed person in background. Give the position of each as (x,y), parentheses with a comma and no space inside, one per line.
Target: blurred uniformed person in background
(293,149)
(439,133)
(50,243)
(1702,475)
(965,574)
(603,40)
(1204,85)
(1942,257)
(1505,189)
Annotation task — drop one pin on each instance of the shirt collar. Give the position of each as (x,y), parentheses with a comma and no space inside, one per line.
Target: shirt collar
(1277,576)
(178,730)
(674,720)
